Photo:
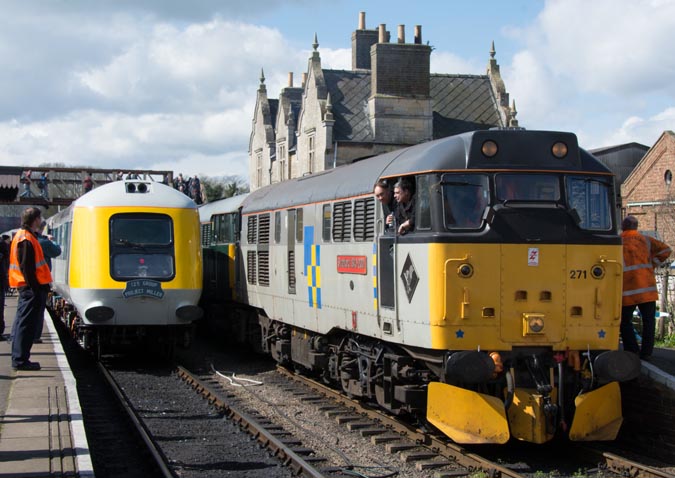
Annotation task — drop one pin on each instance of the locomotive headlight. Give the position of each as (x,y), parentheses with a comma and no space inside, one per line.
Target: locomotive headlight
(597,271)
(489,149)
(533,324)
(559,150)
(465,271)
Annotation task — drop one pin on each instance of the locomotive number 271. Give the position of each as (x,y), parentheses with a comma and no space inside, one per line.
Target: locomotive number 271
(578,274)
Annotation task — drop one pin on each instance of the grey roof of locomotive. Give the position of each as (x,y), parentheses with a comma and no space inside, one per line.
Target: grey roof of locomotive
(453,153)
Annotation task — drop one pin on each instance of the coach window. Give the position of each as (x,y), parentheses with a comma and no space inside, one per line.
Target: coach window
(277,227)
(325,228)
(298,225)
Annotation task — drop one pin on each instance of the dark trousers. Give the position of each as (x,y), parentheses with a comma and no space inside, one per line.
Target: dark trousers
(3,291)
(29,308)
(648,313)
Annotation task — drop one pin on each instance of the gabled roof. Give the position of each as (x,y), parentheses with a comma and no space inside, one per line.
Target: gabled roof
(460,103)
(274,107)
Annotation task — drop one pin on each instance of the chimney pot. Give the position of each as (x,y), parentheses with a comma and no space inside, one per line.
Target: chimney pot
(290,79)
(362,20)
(418,34)
(304,79)
(401,33)
(382,33)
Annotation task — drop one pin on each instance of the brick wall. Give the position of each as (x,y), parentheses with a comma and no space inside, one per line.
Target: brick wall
(400,69)
(649,418)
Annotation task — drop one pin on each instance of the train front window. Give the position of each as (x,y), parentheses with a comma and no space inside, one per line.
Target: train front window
(465,197)
(591,199)
(527,188)
(141,245)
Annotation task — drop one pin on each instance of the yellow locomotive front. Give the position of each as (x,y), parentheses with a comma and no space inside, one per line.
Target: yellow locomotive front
(525,295)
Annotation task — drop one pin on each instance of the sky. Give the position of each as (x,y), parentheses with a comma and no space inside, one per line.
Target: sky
(171,84)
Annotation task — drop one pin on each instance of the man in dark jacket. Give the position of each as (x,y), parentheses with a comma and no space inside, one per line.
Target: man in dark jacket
(28,272)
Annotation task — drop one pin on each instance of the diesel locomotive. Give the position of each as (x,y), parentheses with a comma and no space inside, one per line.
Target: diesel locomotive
(130,271)
(497,317)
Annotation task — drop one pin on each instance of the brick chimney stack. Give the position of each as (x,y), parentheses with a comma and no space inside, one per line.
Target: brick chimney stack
(362,40)
(400,102)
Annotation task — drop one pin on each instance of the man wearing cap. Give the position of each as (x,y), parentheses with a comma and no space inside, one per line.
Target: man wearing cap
(641,254)
(28,272)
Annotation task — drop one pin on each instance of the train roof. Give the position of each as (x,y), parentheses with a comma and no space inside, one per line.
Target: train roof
(220,206)
(454,153)
(127,193)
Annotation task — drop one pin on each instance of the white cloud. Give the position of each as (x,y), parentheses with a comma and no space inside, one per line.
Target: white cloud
(643,130)
(445,62)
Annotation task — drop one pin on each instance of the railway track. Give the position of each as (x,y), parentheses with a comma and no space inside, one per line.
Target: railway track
(425,448)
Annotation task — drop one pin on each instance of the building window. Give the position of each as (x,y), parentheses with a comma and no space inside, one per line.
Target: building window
(668,177)
(310,168)
(259,169)
(282,163)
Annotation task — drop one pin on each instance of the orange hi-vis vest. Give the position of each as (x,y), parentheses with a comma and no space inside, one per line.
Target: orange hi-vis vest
(640,255)
(16,278)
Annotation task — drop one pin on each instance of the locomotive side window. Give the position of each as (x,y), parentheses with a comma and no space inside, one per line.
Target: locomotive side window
(277,227)
(423,213)
(325,227)
(591,199)
(465,197)
(527,187)
(141,245)
(298,226)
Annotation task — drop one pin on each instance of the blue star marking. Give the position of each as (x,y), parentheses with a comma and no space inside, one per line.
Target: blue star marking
(602,334)
(459,334)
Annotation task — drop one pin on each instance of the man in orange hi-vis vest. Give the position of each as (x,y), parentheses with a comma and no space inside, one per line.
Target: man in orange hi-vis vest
(28,272)
(641,254)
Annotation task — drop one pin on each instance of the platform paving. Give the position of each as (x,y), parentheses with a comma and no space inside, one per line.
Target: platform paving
(41,428)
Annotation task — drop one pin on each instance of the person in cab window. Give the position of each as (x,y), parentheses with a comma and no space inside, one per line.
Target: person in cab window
(385,195)
(404,191)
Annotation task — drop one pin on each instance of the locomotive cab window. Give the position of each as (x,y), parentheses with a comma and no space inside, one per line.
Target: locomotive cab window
(529,188)
(465,197)
(141,245)
(590,198)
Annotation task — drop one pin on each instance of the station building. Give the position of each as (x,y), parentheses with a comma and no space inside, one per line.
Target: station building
(388,100)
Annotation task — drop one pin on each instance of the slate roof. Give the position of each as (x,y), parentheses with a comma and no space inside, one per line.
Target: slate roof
(274,107)
(460,103)
(349,92)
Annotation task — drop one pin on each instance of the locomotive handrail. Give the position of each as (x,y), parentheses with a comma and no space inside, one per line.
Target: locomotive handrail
(604,260)
(445,282)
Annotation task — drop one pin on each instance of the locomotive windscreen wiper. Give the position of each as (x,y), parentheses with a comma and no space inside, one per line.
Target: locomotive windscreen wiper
(133,245)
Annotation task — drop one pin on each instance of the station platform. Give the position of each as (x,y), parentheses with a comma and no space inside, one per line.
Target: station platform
(41,428)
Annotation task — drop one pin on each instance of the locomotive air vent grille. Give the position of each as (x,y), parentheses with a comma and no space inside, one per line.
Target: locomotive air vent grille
(264,268)
(207,238)
(577,311)
(364,220)
(291,272)
(545,296)
(521,295)
(251,235)
(342,221)
(264,229)
(250,267)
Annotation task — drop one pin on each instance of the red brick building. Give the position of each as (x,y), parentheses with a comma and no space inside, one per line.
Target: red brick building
(648,192)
